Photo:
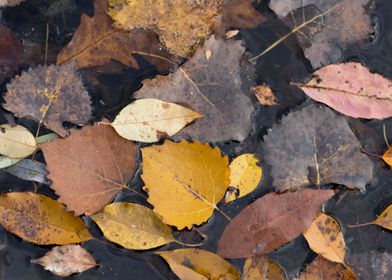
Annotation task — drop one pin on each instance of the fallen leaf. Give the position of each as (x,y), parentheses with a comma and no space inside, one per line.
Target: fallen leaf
(16,142)
(262,268)
(315,146)
(351,89)
(66,260)
(211,90)
(196,264)
(372,264)
(325,27)
(133,226)
(270,222)
(264,94)
(245,175)
(10,50)
(50,95)
(231,33)
(387,156)
(11,3)
(7,161)
(149,120)
(184,181)
(322,269)
(325,237)
(41,220)
(89,167)
(384,220)
(30,170)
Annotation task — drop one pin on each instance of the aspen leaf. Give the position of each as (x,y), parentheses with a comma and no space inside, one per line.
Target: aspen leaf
(41,220)
(262,268)
(322,269)
(196,264)
(387,156)
(133,226)
(184,181)
(16,142)
(385,219)
(148,120)
(66,260)
(245,175)
(325,237)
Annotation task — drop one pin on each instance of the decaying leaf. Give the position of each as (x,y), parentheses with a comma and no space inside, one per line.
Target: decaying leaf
(66,260)
(196,264)
(322,269)
(262,268)
(41,220)
(50,95)
(30,170)
(264,94)
(133,226)
(4,3)
(184,181)
(10,50)
(315,146)
(16,142)
(326,27)
(351,89)
(387,156)
(374,264)
(325,237)
(270,222)
(181,25)
(89,167)
(212,88)
(245,175)
(149,120)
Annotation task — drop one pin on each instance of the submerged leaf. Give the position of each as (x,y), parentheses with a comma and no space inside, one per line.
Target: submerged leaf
(16,142)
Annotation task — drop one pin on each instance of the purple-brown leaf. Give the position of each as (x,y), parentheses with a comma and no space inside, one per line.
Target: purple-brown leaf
(10,52)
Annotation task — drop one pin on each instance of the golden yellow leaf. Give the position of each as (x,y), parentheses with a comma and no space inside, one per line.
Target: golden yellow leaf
(196,264)
(385,219)
(262,268)
(326,238)
(16,142)
(133,226)
(40,219)
(181,25)
(387,156)
(245,175)
(148,120)
(184,181)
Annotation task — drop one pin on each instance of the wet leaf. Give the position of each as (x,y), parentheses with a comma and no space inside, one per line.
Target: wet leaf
(387,156)
(16,142)
(50,95)
(322,269)
(149,120)
(133,226)
(371,264)
(89,167)
(66,260)
(30,170)
(262,268)
(7,161)
(196,264)
(351,89)
(184,181)
(264,94)
(10,50)
(325,237)
(315,146)
(245,175)
(41,220)
(11,3)
(209,89)
(270,222)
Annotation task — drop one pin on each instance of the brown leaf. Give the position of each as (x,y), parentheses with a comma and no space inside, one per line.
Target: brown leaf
(321,269)
(212,88)
(10,52)
(262,268)
(11,3)
(315,146)
(371,264)
(270,222)
(50,95)
(89,167)
(264,94)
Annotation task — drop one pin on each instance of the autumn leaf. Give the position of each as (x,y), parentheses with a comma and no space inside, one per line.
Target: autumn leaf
(16,142)
(196,264)
(321,269)
(270,222)
(133,226)
(10,50)
(351,89)
(50,95)
(7,161)
(89,167)
(210,89)
(384,220)
(387,157)
(184,181)
(371,264)
(11,3)
(30,170)
(149,120)
(245,175)
(41,220)
(66,260)
(315,146)
(264,94)
(262,268)
(325,237)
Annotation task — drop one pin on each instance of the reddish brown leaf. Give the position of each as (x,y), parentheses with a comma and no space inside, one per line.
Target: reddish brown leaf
(264,94)
(270,222)
(321,269)
(10,52)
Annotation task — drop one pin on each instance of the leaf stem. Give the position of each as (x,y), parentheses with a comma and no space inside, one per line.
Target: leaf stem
(360,225)
(370,154)
(222,213)
(135,192)
(46,43)
(188,244)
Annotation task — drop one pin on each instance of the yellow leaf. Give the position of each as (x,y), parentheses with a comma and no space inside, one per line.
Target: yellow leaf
(387,156)
(149,120)
(385,219)
(16,142)
(262,268)
(40,219)
(184,181)
(133,226)
(196,264)
(326,238)
(245,175)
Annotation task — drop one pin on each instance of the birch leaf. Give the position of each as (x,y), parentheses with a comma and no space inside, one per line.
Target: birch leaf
(16,142)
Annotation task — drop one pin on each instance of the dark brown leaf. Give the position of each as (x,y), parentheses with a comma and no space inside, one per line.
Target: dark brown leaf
(321,268)
(10,52)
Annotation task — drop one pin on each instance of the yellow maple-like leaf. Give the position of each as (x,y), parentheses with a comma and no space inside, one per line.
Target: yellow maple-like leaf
(41,220)
(133,226)
(184,181)
(325,237)
(245,175)
(16,142)
(262,268)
